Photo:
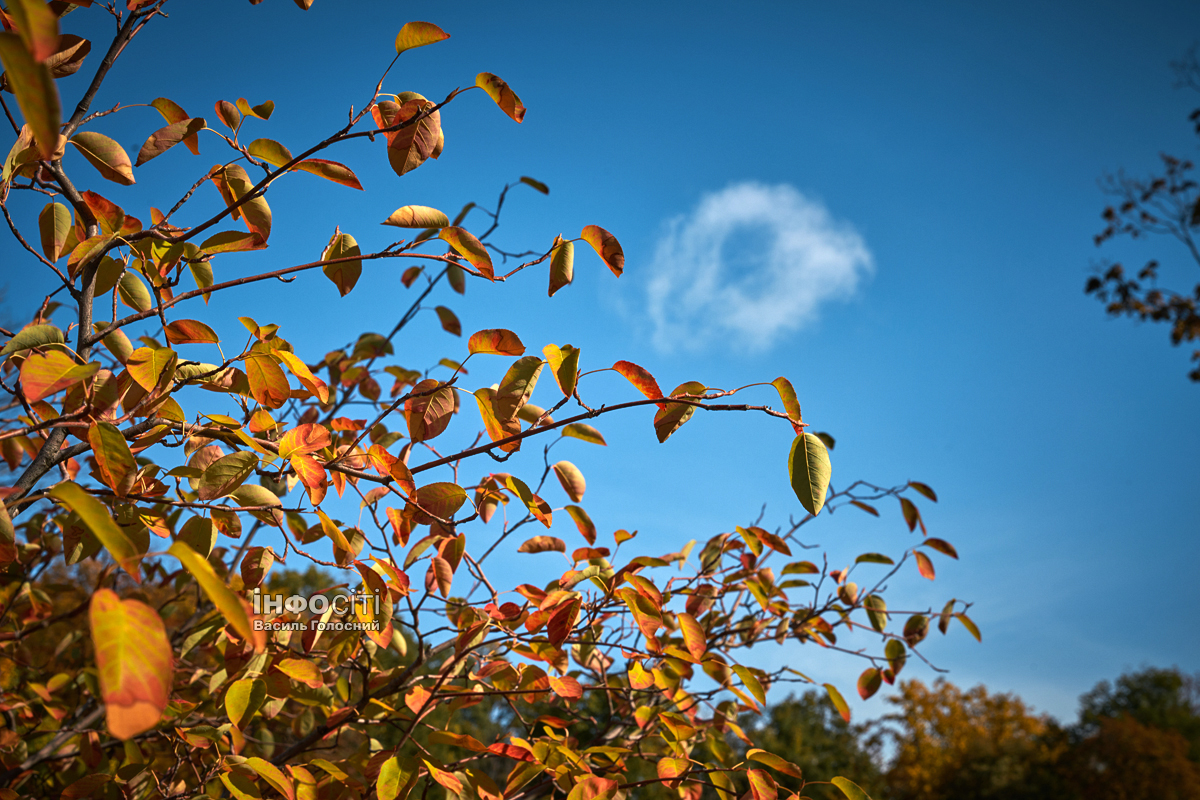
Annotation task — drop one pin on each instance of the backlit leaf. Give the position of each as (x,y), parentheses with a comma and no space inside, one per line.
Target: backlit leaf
(469,248)
(244,699)
(262,111)
(809,468)
(788,395)
(418,34)
(694,637)
(496,429)
(268,384)
(100,522)
(172,113)
(502,94)
(227,602)
(330,171)
(564,364)
(606,246)
(762,785)
(839,702)
(441,499)
(642,380)
(970,626)
(876,611)
(517,386)
(272,775)
(585,433)
(417,217)
(150,366)
(37,25)
(232,242)
(774,762)
(115,464)
(303,374)
(671,416)
(428,411)
(942,546)
(106,156)
(43,374)
(345,274)
(270,151)
(496,341)
(924,565)
(134,662)
(225,474)
(571,479)
(912,517)
(304,439)
(228,113)
(850,789)
(584,523)
(750,680)
(255,212)
(37,96)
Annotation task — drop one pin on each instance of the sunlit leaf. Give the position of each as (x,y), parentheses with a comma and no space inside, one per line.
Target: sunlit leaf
(228,113)
(869,682)
(270,151)
(172,113)
(970,626)
(115,464)
(134,662)
(564,364)
(190,331)
(268,384)
(37,25)
(584,523)
(774,762)
(751,682)
(244,699)
(100,522)
(642,380)
(417,217)
(517,386)
(469,248)
(449,320)
(69,56)
(672,416)
(43,374)
(876,611)
(585,433)
(496,341)
(924,565)
(232,242)
(606,246)
(543,544)
(230,606)
(441,499)
(942,546)
(502,94)
(839,702)
(106,156)
(762,785)
(850,789)
(225,474)
(418,34)
(809,468)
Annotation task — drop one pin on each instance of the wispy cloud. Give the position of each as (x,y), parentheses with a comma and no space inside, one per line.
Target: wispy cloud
(750,264)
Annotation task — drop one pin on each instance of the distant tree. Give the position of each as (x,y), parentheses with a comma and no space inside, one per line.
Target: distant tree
(1127,760)
(1166,699)
(970,745)
(808,731)
(1166,203)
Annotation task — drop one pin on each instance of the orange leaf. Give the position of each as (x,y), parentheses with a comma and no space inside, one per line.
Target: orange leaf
(762,785)
(582,521)
(44,374)
(606,246)
(543,544)
(693,635)
(330,171)
(571,479)
(502,94)
(303,439)
(924,565)
(839,702)
(496,341)
(190,331)
(109,159)
(268,384)
(134,660)
(450,323)
(567,687)
(115,464)
(642,380)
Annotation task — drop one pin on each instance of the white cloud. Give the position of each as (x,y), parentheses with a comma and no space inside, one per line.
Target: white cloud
(750,264)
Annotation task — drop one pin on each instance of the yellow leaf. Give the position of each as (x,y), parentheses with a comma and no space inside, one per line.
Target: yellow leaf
(134,660)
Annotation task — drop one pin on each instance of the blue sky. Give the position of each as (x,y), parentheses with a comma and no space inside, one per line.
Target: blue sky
(930,174)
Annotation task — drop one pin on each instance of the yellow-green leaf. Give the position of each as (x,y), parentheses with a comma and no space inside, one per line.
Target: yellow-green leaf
(606,246)
(562,266)
(809,468)
(100,522)
(850,789)
(244,699)
(230,606)
(564,363)
(343,274)
(54,223)
(496,341)
(517,386)
(33,336)
(115,464)
(839,702)
(43,374)
(469,248)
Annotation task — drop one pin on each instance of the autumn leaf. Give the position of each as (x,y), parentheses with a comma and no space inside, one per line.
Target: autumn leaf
(100,522)
(417,217)
(134,661)
(495,341)
(808,466)
(229,604)
(469,248)
(418,34)
(37,96)
(109,159)
(606,246)
(502,94)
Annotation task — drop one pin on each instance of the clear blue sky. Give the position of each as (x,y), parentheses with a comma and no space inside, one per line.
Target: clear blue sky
(933,166)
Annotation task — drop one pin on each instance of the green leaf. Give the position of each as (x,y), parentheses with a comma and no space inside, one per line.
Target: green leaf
(226,474)
(876,611)
(244,699)
(33,336)
(809,468)
(517,386)
(752,683)
(970,626)
(54,223)
(270,151)
(584,433)
(873,558)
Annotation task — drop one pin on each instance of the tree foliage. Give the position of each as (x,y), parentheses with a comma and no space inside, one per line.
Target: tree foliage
(1164,204)
(176,488)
